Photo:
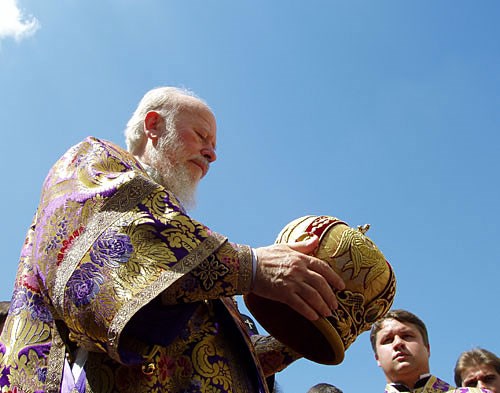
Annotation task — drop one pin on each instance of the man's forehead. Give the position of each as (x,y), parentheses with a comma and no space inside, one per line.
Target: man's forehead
(479,371)
(392,325)
(186,102)
(193,106)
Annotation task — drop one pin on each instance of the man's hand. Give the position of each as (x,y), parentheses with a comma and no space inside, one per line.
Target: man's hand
(286,273)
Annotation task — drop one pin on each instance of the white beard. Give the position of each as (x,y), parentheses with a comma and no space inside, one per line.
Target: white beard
(170,174)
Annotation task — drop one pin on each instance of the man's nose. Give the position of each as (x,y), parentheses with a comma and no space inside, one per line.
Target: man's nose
(209,153)
(397,342)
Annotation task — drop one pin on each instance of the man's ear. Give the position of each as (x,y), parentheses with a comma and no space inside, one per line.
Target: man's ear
(153,126)
(378,361)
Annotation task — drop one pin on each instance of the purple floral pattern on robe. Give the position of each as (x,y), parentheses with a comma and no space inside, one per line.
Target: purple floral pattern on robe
(111,248)
(84,284)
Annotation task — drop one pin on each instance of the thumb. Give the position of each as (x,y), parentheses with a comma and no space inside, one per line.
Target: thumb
(306,244)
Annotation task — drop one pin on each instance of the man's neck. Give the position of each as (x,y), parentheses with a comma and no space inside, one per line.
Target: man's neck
(407,385)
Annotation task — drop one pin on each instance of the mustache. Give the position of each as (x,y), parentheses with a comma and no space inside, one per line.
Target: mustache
(203,162)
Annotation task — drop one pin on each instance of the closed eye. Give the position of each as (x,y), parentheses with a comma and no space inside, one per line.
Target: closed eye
(201,135)
(204,137)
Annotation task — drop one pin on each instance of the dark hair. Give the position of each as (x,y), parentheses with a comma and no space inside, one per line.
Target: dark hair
(475,357)
(324,388)
(402,316)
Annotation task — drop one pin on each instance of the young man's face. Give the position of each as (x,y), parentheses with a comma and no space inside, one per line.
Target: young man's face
(481,376)
(401,352)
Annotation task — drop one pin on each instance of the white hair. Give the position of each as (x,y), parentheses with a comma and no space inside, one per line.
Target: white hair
(165,101)
(174,177)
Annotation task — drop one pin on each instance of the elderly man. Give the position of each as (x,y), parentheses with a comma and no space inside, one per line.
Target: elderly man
(401,345)
(478,368)
(120,290)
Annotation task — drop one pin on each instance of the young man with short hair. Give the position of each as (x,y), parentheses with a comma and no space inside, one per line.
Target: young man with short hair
(401,345)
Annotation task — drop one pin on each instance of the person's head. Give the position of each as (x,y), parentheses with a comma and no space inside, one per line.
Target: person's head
(401,345)
(324,388)
(173,132)
(478,368)
(4,309)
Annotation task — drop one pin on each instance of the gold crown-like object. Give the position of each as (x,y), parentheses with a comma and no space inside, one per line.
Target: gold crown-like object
(370,286)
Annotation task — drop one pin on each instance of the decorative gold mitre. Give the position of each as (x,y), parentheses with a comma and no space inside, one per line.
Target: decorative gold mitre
(369,291)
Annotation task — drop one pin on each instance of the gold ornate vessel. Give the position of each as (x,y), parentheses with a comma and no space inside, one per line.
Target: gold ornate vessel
(368,295)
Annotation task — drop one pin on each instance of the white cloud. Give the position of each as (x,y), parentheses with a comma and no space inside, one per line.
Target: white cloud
(13,23)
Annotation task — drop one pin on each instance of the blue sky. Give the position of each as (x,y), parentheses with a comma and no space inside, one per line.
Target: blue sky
(383,112)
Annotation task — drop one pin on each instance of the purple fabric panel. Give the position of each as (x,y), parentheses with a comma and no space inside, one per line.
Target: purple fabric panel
(164,324)
(80,384)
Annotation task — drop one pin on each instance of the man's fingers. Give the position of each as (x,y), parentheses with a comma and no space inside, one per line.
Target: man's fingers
(288,273)
(323,301)
(326,271)
(302,307)
(306,246)
(322,291)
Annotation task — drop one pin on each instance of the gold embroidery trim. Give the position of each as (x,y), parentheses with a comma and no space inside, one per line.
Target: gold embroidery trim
(167,278)
(245,275)
(118,206)
(56,362)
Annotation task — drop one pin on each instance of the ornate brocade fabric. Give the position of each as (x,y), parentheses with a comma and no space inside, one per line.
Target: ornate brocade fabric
(107,247)
(434,385)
